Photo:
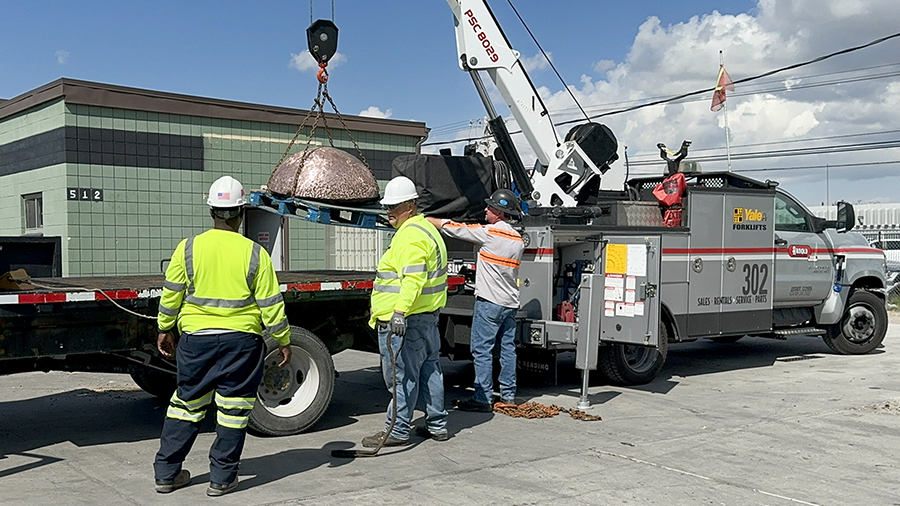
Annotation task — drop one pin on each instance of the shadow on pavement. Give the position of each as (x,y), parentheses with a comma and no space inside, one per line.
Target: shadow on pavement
(83,417)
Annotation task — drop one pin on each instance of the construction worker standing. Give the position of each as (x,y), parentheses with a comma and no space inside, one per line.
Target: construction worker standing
(496,297)
(220,289)
(410,288)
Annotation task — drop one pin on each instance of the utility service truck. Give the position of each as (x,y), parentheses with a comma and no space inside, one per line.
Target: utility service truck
(602,276)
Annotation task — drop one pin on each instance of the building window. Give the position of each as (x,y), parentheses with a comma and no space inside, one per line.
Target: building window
(34,212)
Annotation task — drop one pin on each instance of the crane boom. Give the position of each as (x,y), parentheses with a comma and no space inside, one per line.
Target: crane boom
(563,167)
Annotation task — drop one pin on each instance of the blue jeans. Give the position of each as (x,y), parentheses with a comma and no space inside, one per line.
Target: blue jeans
(420,380)
(490,321)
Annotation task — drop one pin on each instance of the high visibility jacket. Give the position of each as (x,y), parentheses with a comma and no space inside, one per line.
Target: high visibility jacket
(412,274)
(499,255)
(222,280)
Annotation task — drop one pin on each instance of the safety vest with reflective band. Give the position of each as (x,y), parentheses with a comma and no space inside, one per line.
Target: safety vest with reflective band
(499,255)
(412,274)
(222,280)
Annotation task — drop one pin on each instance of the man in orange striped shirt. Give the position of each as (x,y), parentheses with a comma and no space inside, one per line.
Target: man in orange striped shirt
(496,297)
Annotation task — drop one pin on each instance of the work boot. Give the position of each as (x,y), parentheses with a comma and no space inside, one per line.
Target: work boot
(423,431)
(375,439)
(508,403)
(473,405)
(181,479)
(217,489)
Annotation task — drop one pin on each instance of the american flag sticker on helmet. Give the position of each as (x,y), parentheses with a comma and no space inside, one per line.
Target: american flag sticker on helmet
(223,196)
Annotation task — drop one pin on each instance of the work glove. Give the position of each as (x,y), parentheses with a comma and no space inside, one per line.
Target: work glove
(398,324)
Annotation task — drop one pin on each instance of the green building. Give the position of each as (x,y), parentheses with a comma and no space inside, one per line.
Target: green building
(121,174)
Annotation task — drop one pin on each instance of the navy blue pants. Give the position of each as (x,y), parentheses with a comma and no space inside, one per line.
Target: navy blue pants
(226,368)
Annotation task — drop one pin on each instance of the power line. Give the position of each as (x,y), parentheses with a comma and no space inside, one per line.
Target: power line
(439,131)
(774,143)
(705,90)
(454,127)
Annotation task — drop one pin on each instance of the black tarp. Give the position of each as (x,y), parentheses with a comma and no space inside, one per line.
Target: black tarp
(451,187)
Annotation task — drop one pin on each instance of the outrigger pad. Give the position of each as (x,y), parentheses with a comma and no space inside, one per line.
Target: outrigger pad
(327,174)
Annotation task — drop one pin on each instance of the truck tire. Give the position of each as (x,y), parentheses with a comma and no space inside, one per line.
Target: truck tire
(155,382)
(862,327)
(292,399)
(625,364)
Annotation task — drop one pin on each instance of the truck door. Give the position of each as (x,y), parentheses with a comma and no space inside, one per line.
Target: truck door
(803,266)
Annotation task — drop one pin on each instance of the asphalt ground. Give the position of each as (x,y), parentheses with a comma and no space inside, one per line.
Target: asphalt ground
(757,422)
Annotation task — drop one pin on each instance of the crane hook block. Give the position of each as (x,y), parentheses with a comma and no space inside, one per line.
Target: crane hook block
(322,37)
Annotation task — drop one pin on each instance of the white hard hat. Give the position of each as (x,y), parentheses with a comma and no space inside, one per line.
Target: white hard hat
(226,192)
(399,190)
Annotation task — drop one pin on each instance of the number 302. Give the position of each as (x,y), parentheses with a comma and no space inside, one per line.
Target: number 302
(755,277)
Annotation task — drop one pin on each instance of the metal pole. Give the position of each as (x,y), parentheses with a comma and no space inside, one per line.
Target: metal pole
(725,106)
(584,403)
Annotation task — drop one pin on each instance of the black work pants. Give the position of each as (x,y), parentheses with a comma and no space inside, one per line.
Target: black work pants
(225,368)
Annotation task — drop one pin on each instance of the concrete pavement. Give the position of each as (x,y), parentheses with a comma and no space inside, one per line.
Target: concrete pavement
(757,422)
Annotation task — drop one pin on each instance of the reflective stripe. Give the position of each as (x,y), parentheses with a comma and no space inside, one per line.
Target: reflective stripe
(187,416)
(409,269)
(499,232)
(189,264)
(386,275)
(499,260)
(385,288)
(437,248)
(231,421)
(221,303)
(278,327)
(193,405)
(270,301)
(167,310)
(254,266)
(175,287)
(428,290)
(438,273)
(235,402)
(226,303)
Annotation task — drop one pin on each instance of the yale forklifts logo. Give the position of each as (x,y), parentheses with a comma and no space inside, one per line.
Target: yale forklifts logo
(748,219)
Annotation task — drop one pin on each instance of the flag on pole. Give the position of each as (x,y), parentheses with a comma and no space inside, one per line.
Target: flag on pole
(722,83)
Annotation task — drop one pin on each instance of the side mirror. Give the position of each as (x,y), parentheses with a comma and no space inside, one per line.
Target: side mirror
(846,217)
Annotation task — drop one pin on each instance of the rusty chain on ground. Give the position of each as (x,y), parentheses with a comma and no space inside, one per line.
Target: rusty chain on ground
(538,410)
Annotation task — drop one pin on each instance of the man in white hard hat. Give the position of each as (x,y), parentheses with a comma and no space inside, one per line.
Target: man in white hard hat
(500,249)
(410,289)
(220,290)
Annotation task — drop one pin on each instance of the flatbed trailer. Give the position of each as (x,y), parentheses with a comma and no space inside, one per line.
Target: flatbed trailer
(106,324)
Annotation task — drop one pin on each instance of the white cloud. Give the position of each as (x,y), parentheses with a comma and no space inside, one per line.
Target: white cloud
(304,62)
(536,62)
(61,57)
(603,65)
(375,112)
(782,108)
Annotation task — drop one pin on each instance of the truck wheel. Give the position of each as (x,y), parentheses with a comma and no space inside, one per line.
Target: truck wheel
(154,382)
(862,327)
(293,398)
(625,364)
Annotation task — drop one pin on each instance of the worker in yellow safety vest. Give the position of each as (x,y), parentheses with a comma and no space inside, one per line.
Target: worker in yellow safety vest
(410,288)
(220,290)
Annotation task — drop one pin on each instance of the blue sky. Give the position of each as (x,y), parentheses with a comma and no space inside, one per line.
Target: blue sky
(399,61)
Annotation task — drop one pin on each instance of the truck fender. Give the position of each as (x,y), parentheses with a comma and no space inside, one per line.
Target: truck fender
(830,311)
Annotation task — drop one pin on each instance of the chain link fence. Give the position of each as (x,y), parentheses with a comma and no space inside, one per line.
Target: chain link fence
(888,240)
